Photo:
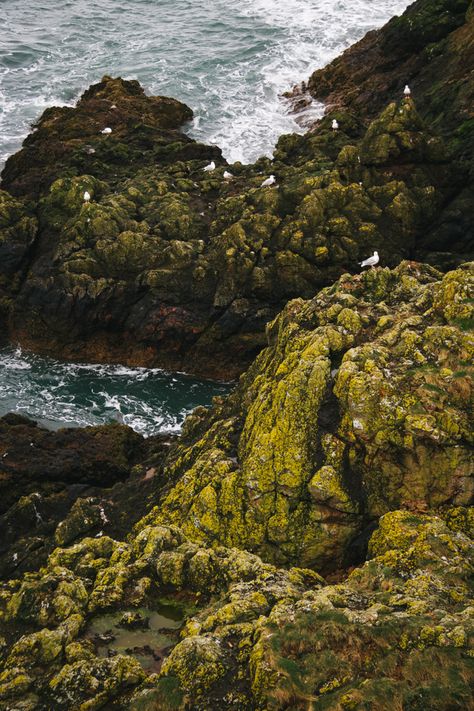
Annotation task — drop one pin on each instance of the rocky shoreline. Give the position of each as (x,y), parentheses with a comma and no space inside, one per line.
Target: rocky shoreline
(187,573)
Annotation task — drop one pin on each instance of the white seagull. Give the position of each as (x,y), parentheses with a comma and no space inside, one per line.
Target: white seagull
(407,90)
(334,125)
(269,181)
(106,131)
(371,261)
(227,175)
(209,168)
(87,196)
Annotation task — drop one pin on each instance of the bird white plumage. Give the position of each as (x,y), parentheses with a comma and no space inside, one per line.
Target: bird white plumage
(269,181)
(334,125)
(370,261)
(106,131)
(87,196)
(227,175)
(407,90)
(209,168)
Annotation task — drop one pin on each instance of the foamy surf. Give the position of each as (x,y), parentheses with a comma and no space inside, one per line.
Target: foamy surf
(58,394)
(229,62)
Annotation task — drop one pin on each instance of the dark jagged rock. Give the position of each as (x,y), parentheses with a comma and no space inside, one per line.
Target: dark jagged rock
(87,480)
(171,266)
(66,140)
(431,48)
(31,455)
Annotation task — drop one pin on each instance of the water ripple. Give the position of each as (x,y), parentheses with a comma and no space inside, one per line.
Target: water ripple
(58,394)
(228,61)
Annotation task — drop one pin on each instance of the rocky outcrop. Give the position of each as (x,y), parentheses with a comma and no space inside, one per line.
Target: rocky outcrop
(66,140)
(186,575)
(359,405)
(169,265)
(32,456)
(431,48)
(87,480)
(252,633)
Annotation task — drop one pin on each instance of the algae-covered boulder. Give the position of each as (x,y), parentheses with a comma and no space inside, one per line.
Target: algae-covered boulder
(360,404)
(52,655)
(85,516)
(252,636)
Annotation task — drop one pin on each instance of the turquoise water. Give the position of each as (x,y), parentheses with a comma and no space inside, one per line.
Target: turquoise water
(229,61)
(60,394)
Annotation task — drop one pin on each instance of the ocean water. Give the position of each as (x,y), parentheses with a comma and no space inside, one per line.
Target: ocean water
(230,62)
(57,394)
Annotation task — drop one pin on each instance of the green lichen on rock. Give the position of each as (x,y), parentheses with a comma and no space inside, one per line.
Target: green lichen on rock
(57,661)
(351,646)
(345,449)
(359,405)
(167,265)
(263,637)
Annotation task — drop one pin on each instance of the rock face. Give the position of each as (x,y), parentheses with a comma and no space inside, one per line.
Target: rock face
(67,140)
(431,48)
(32,456)
(359,405)
(258,638)
(345,450)
(87,480)
(349,438)
(169,265)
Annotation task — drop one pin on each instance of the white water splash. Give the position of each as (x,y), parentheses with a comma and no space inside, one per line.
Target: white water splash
(58,394)
(229,62)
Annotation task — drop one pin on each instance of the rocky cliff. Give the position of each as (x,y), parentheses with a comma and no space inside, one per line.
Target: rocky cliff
(174,266)
(349,439)
(187,573)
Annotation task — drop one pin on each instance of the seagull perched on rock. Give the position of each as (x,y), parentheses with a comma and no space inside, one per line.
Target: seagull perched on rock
(407,90)
(371,261)
(87,197)
(227,175)
(334,125)
(209,168)
(106,131)
(269,181)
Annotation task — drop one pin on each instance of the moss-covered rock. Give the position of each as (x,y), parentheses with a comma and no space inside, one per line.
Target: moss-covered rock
(59,663)
(430,47)
(349,439)
(168,266)
(382,633)
(359,405)
(257,636)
